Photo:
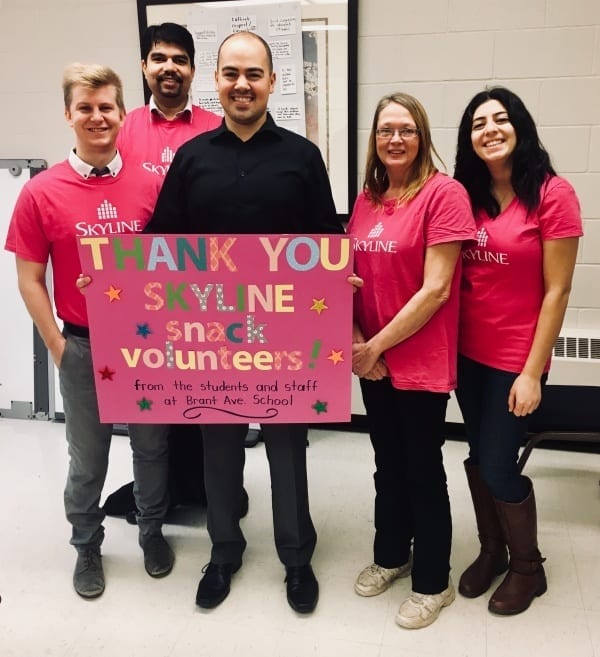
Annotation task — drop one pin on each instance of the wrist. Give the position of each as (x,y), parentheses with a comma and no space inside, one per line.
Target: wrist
(373,345)
(531,374)
(55,343)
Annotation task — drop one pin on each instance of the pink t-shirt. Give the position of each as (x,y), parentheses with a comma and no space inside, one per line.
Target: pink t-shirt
(59,204)
(150,141)
(503,285)
(389,252)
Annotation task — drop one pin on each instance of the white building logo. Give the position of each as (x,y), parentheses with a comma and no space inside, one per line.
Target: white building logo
(107,211)
(482,237)
(375,231)
(166,157)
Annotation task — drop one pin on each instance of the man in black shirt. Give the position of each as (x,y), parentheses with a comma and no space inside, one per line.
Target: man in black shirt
(250,176)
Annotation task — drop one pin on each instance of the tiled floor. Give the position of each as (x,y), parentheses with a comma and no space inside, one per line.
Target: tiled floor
(40,615)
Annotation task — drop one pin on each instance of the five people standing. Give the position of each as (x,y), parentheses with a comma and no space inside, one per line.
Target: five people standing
(414,229)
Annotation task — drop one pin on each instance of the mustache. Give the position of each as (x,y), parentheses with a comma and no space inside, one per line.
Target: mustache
(170,76)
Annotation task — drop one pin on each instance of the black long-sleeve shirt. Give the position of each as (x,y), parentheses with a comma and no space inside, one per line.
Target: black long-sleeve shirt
(275,182)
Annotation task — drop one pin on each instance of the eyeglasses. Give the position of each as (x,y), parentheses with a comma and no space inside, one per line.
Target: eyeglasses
(403,133)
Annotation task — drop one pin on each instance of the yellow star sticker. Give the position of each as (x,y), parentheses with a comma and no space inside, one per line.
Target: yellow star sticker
(319,305)
(336,356)
(113,293)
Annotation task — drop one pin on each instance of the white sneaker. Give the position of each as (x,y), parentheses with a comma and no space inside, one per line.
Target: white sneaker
(420,609)
(374,579)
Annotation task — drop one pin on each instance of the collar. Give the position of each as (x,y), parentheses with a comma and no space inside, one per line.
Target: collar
(84,169)
(269,126)
(185,113)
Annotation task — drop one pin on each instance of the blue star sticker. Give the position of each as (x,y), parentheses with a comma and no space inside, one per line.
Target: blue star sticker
(144,330)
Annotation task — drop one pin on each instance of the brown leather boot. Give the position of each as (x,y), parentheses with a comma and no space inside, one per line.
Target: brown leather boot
(492,560)
(526,578)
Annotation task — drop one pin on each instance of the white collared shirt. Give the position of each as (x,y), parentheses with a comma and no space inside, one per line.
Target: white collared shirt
(85,170)
(187,110)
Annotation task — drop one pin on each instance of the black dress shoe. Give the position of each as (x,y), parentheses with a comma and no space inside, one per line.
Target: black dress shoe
(302,588)
(214,586)
(252,437)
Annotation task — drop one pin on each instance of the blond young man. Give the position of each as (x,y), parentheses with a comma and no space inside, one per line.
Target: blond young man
(91,188)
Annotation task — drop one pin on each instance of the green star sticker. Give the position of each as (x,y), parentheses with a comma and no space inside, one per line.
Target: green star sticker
(320,407)
(145,404)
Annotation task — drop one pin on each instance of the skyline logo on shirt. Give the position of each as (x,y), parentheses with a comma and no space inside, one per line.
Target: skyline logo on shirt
(482,237)
(107,211)
(374,245)
(376,231)
(166,157)
(110,224)
(482,254)
(161,170)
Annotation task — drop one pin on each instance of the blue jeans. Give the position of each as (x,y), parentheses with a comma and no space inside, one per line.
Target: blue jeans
(411,495)
(89,443)
(495,435)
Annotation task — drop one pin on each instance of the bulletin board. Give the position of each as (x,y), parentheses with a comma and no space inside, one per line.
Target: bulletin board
(280,24)
(329,37)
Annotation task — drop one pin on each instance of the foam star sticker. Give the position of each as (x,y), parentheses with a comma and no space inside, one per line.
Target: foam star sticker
(336,356)
(113,293)
(320,407)
(106,373)
(145,404)
(144,330)
(319,305)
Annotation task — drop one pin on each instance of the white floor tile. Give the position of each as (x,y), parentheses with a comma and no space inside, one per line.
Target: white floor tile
(587,563)
(41,615)
(593,623)
(541,630)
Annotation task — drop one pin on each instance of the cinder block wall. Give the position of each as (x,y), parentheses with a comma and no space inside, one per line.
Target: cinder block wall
(547,51)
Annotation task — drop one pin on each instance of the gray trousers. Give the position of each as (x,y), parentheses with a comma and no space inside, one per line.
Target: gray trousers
(224,457)
(89,443)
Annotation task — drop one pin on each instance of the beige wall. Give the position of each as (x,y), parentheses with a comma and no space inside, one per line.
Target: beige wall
(548,51)
(443,51)
(37,39)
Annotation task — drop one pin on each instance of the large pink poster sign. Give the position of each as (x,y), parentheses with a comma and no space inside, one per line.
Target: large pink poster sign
(220,328)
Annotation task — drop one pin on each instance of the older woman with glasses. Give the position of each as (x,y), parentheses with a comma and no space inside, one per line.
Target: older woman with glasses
(408,225)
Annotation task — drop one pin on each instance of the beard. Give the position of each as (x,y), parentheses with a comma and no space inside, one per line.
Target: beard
(174,88)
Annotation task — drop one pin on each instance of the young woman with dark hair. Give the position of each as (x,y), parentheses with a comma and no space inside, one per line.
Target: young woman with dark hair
(515,288)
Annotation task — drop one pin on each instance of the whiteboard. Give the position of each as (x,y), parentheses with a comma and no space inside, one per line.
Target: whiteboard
(17,350)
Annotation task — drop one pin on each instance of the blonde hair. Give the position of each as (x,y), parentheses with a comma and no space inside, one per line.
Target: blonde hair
(92,76)
(376,178)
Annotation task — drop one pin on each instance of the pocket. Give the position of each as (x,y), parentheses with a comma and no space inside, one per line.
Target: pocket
(68,344)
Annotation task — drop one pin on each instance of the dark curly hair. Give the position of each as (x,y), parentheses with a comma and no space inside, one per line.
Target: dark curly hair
(530,161)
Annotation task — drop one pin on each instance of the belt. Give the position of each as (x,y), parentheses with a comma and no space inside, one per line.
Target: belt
(78,331)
